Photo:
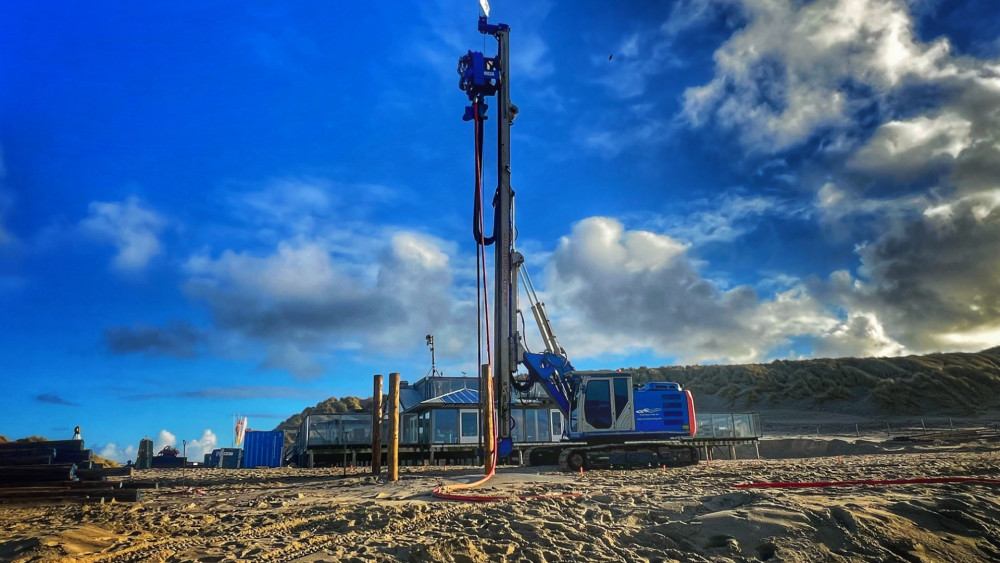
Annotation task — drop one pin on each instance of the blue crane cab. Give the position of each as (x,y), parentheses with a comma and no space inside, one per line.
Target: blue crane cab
(606,406)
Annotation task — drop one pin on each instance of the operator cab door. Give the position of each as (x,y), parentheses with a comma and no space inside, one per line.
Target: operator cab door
(607,405)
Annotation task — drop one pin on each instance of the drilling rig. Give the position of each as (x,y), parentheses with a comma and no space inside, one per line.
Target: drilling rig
(610,422)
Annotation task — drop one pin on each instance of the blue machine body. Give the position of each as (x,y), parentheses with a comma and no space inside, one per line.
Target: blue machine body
(662,407)
(658,410)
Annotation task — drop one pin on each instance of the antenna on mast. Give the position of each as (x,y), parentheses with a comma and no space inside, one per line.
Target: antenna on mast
(430,342)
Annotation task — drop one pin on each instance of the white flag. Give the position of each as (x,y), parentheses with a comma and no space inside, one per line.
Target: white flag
(241,429)
(485,5)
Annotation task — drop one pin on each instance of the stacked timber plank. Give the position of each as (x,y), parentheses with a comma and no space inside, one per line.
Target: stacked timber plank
(58,471)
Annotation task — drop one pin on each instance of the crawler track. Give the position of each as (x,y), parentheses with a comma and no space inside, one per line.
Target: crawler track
(626,456)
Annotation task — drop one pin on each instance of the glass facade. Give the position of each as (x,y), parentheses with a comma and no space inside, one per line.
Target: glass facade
(535,425)
(424,428)
(445,426)
(454,426)
(410,430)
(336,429)
(728,425)
(470,424)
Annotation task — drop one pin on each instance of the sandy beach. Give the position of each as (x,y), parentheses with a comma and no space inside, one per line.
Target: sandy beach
(688,514)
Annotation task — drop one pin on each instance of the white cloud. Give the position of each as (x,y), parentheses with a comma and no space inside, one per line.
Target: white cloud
(299,270)
(163,439)
(292,205)
(196,449)
(117,453)
(861,334)
(686,14)
(531,60)
(616,291)
(917,190)
(782,77)
(836,204)
(726,218)
(131,227)
(908,148)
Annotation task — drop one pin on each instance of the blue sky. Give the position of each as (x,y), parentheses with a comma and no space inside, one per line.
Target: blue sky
(249,208)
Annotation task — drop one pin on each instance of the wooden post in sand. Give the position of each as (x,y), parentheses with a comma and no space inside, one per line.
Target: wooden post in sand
(377,426)
(486,414)
(394,426)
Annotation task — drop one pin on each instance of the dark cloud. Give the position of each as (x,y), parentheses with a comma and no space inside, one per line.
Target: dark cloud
(236,392)
(935,274)
(177,339)
(53,399)
(304,299)
(307,321)
(978,168)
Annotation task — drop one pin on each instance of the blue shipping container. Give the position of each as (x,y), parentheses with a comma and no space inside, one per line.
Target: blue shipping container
(263,449)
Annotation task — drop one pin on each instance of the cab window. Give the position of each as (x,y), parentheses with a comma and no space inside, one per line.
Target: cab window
(597,405)
(621,396)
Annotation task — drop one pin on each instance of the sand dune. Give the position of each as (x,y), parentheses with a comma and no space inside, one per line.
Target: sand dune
(689,514)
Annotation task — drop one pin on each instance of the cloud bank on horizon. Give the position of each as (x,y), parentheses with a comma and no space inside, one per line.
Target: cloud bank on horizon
(895,140)
(836,82)
(741,181)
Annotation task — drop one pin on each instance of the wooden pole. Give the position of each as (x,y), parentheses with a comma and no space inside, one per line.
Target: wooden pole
(394,426)
(377,426)
(486,413)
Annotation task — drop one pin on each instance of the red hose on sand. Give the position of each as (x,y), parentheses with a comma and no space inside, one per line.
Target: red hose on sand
(820,484)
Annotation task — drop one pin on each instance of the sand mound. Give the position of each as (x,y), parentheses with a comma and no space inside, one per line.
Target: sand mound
(692,514)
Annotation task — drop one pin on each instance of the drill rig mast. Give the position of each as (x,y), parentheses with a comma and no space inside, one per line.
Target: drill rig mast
(481,77)
(608,421)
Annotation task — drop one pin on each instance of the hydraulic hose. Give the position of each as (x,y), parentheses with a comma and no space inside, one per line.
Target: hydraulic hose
(447,492)
(444,492)
(477,206)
